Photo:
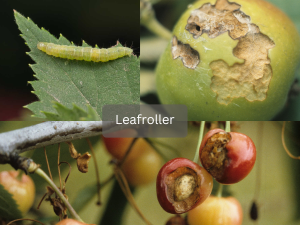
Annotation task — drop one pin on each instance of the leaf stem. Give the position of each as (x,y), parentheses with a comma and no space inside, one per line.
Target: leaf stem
(201,132)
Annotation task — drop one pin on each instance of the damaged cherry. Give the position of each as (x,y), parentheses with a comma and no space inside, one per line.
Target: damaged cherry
(182,185)
(227,156)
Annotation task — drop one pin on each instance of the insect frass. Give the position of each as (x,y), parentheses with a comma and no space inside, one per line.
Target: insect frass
(84,53)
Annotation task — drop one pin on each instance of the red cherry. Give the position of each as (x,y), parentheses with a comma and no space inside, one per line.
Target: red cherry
(181,185)
(227,156)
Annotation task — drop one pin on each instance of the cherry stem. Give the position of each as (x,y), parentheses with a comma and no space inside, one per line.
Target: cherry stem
(24,219)
(21,172)
(127,192)
(220,190)
(201,132)
(227,126)
(127,152)
(42,174)
(284,145)
(96,170)
(220,187)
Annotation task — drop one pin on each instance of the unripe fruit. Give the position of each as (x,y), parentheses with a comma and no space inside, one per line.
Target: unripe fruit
(117,147)
(217,211)
(23,190)
(142,170)
(141,165)
(231,60)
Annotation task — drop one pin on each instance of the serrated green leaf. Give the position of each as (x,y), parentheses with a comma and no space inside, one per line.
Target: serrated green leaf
(76,82)
(8,206)
(74,114)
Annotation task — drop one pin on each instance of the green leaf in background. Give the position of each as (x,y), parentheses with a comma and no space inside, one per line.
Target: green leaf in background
(76,82)
(8,206)
(84,197)
(74,114)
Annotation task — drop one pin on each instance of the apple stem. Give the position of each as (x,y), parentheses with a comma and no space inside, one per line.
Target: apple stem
(34,169)
(201,132)
(149,20)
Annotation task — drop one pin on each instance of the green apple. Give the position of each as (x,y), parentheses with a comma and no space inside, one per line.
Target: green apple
(230,60)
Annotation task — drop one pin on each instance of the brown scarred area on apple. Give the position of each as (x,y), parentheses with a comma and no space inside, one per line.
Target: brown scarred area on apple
(189,56)
(183,188)
(250,79)
(217,19)
(214,154)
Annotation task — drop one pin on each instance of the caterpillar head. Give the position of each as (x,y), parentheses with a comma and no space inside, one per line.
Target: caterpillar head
(128,51)
(42,46)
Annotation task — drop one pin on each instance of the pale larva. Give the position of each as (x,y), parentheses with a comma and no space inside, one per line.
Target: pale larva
(84,53)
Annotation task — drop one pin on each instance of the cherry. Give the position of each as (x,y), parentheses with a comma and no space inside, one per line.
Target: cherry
(227,156)
(217,211)
(23,190)
(117,147)
(70,222)
(181,185)
(142,163)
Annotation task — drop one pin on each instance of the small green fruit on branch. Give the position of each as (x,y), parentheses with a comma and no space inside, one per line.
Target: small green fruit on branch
(22,190)
(225,60)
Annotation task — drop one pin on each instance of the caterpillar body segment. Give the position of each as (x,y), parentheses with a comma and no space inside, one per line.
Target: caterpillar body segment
(84,53)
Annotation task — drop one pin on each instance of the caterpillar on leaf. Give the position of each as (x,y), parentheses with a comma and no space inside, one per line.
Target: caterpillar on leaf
(84,53)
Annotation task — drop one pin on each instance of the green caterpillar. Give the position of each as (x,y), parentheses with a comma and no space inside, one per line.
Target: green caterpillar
(84,53)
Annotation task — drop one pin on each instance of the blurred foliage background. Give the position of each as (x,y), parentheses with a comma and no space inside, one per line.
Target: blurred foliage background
(167,13)
(96,22)
(275,178)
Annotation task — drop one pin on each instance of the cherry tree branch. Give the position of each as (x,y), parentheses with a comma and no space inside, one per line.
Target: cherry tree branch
(48,133)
